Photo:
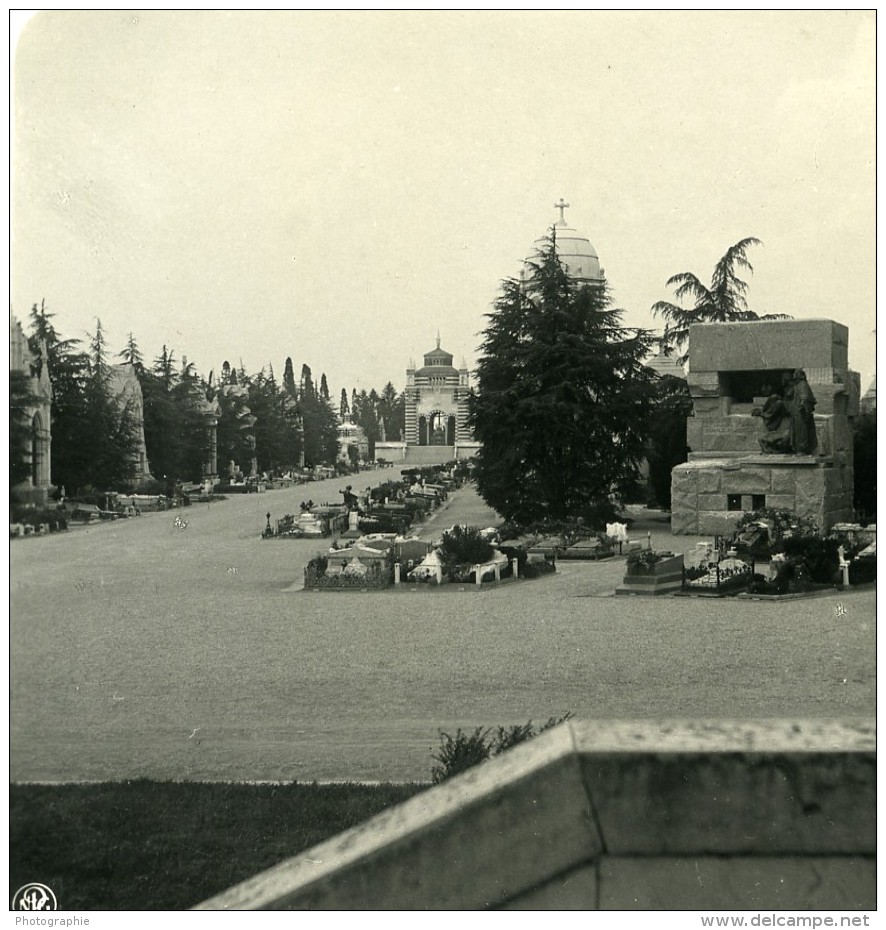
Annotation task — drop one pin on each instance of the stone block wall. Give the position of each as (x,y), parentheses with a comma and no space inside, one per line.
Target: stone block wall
(700,491)
(619,815)
(768,344)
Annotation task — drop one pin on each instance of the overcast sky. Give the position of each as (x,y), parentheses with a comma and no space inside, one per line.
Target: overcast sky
(338,186)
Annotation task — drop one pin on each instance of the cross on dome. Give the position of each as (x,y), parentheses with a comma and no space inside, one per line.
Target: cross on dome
(561,206)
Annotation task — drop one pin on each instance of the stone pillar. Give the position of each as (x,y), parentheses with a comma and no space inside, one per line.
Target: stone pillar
(396,573)
(478,579)
(497,571)
(844,567)
(211,467)
(439,574)
(515,564)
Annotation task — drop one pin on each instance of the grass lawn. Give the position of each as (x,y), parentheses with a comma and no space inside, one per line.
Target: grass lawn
(148,845)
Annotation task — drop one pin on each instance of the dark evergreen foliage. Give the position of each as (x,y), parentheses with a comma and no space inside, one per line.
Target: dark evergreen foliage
(107,432)
(865,465)
(563,399)
(21,432)
(667,446)
(723,302)
(68,371)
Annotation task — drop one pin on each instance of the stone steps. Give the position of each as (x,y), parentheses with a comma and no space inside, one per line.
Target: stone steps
(429,455)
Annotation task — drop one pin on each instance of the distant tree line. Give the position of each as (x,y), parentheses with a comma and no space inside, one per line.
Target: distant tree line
(95,434)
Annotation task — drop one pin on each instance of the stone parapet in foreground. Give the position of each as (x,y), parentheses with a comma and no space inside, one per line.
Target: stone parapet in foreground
(615,815)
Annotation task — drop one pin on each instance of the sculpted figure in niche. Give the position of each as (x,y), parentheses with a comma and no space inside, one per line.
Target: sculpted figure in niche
(777,419)
(788,417)
(800,401)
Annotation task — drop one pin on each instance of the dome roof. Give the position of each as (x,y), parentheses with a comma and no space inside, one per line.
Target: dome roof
(437,371)
(574,250)
(438,356)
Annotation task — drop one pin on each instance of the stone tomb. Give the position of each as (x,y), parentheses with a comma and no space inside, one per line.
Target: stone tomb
(734,367)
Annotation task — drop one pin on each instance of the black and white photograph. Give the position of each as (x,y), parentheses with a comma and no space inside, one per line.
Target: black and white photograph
(443,464)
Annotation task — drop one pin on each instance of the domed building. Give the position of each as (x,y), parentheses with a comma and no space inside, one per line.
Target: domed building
(436,398)
(579,257)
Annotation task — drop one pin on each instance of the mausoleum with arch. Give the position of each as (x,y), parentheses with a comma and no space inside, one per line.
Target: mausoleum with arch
(436,397)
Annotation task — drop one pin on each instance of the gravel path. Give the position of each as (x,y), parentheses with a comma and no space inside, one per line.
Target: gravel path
(143,650)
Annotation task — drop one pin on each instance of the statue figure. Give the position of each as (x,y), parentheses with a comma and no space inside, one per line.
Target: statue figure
(800,402)
(776,418)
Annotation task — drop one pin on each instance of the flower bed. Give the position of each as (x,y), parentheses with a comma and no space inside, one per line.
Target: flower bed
(728,576)
(316,578)
(650,572)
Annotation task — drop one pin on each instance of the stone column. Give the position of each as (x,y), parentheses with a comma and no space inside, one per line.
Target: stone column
(211,467)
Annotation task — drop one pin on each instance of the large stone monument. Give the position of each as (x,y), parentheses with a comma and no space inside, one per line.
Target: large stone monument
(33,369)
(124,387)
(773,402)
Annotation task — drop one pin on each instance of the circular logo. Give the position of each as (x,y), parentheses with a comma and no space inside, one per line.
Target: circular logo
(34,897)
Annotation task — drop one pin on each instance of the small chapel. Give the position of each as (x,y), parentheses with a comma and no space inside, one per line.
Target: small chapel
(437,428)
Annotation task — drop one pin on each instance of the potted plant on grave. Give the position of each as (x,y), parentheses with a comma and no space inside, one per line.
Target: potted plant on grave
(652,562)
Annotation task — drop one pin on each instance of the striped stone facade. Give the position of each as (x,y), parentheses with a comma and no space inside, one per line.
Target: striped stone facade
(437,401)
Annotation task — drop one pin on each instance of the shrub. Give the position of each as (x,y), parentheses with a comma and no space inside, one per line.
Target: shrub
(783,524)
(153,487)
(318,565)
(458,753)
(387,489)
(537,569)
(646,557)
(570,530)
(35,516)
(464,545)
(599,513)
(819,556)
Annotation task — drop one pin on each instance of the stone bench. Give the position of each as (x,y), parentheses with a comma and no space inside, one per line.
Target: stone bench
(615,815)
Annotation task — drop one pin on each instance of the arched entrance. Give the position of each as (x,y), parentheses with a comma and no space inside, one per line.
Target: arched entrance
(437,429)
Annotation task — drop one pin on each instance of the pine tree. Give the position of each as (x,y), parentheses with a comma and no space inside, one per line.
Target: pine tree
(131,354)
(163,424)
(723,302)
(344,409)
(563,398)
(324,388)
(108,430)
